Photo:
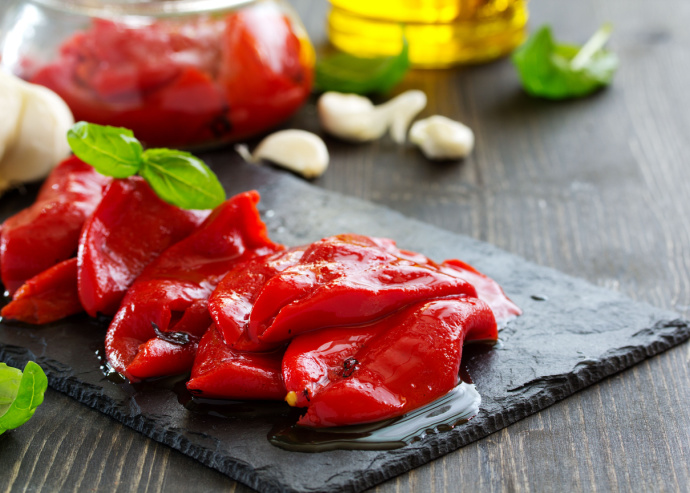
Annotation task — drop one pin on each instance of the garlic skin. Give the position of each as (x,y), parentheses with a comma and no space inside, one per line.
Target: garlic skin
(441,138)
(297,150)
(356,119)
(33,136)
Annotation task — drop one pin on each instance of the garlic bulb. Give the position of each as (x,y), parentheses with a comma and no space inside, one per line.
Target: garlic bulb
(32,132)
(441,138)
(356,119)
(297,150)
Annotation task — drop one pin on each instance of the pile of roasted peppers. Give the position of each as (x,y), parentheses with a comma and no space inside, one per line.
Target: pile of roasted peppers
(350,327)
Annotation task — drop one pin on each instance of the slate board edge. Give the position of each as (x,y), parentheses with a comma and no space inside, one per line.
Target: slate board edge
(559,387)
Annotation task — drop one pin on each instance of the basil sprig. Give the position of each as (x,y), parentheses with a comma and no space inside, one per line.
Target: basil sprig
(559,71)
(177,177)
(347,73)
(20,394)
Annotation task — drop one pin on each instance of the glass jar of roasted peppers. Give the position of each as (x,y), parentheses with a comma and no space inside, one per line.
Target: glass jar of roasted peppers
(179,73)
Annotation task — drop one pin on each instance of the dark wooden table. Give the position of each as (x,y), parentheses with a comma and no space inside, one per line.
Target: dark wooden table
(598,188)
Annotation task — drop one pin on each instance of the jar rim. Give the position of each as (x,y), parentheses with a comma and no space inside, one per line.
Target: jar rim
(101,8)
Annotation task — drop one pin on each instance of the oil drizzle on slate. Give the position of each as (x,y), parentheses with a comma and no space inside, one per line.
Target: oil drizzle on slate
(454,408)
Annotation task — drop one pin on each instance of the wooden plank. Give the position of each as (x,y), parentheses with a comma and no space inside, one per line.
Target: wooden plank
(597,188)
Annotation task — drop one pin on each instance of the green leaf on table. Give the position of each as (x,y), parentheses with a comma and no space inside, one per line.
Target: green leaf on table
(347,73)
(113,151)
(20,394)
(559,71)
(181,179)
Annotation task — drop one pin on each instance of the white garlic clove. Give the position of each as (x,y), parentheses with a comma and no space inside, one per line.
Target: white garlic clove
(402,110)
(351,117)
(297,150)
(441,138)
(355,118)
(40,135)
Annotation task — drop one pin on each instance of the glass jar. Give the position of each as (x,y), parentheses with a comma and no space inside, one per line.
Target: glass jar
(440,33)
(179,73)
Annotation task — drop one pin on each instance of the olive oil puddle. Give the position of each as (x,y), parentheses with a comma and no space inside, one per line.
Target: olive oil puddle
(456,407)
(453,409)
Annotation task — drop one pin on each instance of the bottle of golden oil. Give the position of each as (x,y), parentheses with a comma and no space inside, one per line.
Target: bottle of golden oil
(440,32)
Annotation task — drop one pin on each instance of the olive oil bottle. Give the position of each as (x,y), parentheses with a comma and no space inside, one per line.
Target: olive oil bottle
(440,33)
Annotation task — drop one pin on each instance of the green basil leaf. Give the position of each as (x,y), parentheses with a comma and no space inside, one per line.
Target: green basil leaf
(347,73)
(9,385)
(113,151)
(28,397)
(181,179)
(559,71)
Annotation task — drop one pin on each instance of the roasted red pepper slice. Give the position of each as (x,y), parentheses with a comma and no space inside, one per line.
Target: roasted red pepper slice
(168,291)
(341,280)
(139,348)
(231,303)
(47,297)
(488,290)
(130,227)
(262,70)
(225,373)
(400,363)
(47,233)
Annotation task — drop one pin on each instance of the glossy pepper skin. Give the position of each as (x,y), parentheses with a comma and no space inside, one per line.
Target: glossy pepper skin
(47,233)
(341,280)
(127,231)
(222,372)
(365,374)
(47,297)
(172,291)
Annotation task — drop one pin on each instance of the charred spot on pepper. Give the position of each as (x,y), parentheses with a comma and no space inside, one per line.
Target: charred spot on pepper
(305,393)
(176,338)
(349,367)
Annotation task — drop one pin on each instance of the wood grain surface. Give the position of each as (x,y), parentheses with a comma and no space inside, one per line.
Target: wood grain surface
(598,188)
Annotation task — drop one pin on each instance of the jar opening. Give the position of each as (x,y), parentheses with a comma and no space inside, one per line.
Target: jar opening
(107,8)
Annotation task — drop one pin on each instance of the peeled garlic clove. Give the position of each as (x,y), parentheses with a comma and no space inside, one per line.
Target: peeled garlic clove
(441,138)
(351,117)
(39,141)
(402,110)
(356,119)
(297,150)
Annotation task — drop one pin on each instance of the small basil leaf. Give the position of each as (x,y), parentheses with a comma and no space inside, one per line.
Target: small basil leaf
(9,385)
(113,151)
(347,73)
(559,71)
(181,179)
(32,386)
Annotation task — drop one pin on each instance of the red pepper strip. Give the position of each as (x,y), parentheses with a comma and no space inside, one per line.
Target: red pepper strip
(265,69)
(222,372)
(47,232)
(47,297)
(413,359)
(345,280)
(145,354)
(128,230)
(488,290)
(231,303)
(174,282)
(341,280)
(313,360)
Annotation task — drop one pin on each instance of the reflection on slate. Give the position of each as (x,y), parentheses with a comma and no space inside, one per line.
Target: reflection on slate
(571,335)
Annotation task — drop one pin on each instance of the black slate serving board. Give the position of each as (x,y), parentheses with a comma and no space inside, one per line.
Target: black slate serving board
(571,335)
